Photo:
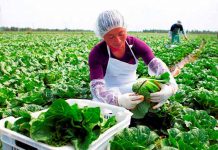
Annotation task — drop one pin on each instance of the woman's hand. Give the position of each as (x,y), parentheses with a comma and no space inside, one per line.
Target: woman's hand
(129,100)
(162,96)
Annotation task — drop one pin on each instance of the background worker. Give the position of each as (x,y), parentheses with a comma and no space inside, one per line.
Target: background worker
(113,63)
(175,31)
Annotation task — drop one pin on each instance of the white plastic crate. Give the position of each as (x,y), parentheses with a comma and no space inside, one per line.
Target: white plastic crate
(13,140)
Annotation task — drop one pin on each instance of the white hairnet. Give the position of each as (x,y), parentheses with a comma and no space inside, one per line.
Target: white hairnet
(108,20)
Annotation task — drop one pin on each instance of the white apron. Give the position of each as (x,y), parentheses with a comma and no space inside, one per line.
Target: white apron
(120,74)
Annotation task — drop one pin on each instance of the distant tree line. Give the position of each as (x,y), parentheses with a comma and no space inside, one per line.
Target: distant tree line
(80,30)
(187,31)
(155,31)
(38,29)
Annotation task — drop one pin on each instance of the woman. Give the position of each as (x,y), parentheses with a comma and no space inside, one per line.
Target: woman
(113,63)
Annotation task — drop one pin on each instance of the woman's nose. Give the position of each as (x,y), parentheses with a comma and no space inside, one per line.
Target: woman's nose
(117,39)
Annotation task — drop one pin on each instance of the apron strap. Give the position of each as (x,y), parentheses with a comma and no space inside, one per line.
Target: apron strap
(108,50)
(130,47)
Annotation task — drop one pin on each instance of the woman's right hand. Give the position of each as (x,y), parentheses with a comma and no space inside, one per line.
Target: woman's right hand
(129,100)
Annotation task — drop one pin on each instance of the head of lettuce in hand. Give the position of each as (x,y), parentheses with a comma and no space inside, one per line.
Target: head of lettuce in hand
(145,86)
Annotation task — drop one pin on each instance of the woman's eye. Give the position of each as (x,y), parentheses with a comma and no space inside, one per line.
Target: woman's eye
(121,34)
(111,37)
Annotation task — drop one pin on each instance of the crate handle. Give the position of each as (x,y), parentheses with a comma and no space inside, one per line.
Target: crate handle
(24,146)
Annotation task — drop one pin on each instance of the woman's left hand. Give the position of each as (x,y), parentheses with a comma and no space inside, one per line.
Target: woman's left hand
(162,96)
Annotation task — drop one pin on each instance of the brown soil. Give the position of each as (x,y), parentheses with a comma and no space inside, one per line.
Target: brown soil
(175,70)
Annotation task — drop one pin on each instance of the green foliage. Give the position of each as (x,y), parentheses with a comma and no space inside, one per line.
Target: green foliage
(134,138)
(38,68)
(62,124)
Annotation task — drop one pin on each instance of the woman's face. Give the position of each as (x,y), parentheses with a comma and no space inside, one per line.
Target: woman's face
(116,37)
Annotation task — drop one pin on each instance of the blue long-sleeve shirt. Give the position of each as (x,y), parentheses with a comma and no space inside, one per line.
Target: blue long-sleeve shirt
(176,28)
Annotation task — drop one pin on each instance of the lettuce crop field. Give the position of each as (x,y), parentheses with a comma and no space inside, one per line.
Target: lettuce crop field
(37,68)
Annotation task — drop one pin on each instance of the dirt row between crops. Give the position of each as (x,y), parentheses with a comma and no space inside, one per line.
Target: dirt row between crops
(175,70)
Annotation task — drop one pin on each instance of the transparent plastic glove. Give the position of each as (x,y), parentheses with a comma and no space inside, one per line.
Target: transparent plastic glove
(162,96)
(102,94)
(129,100)
(156,67)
